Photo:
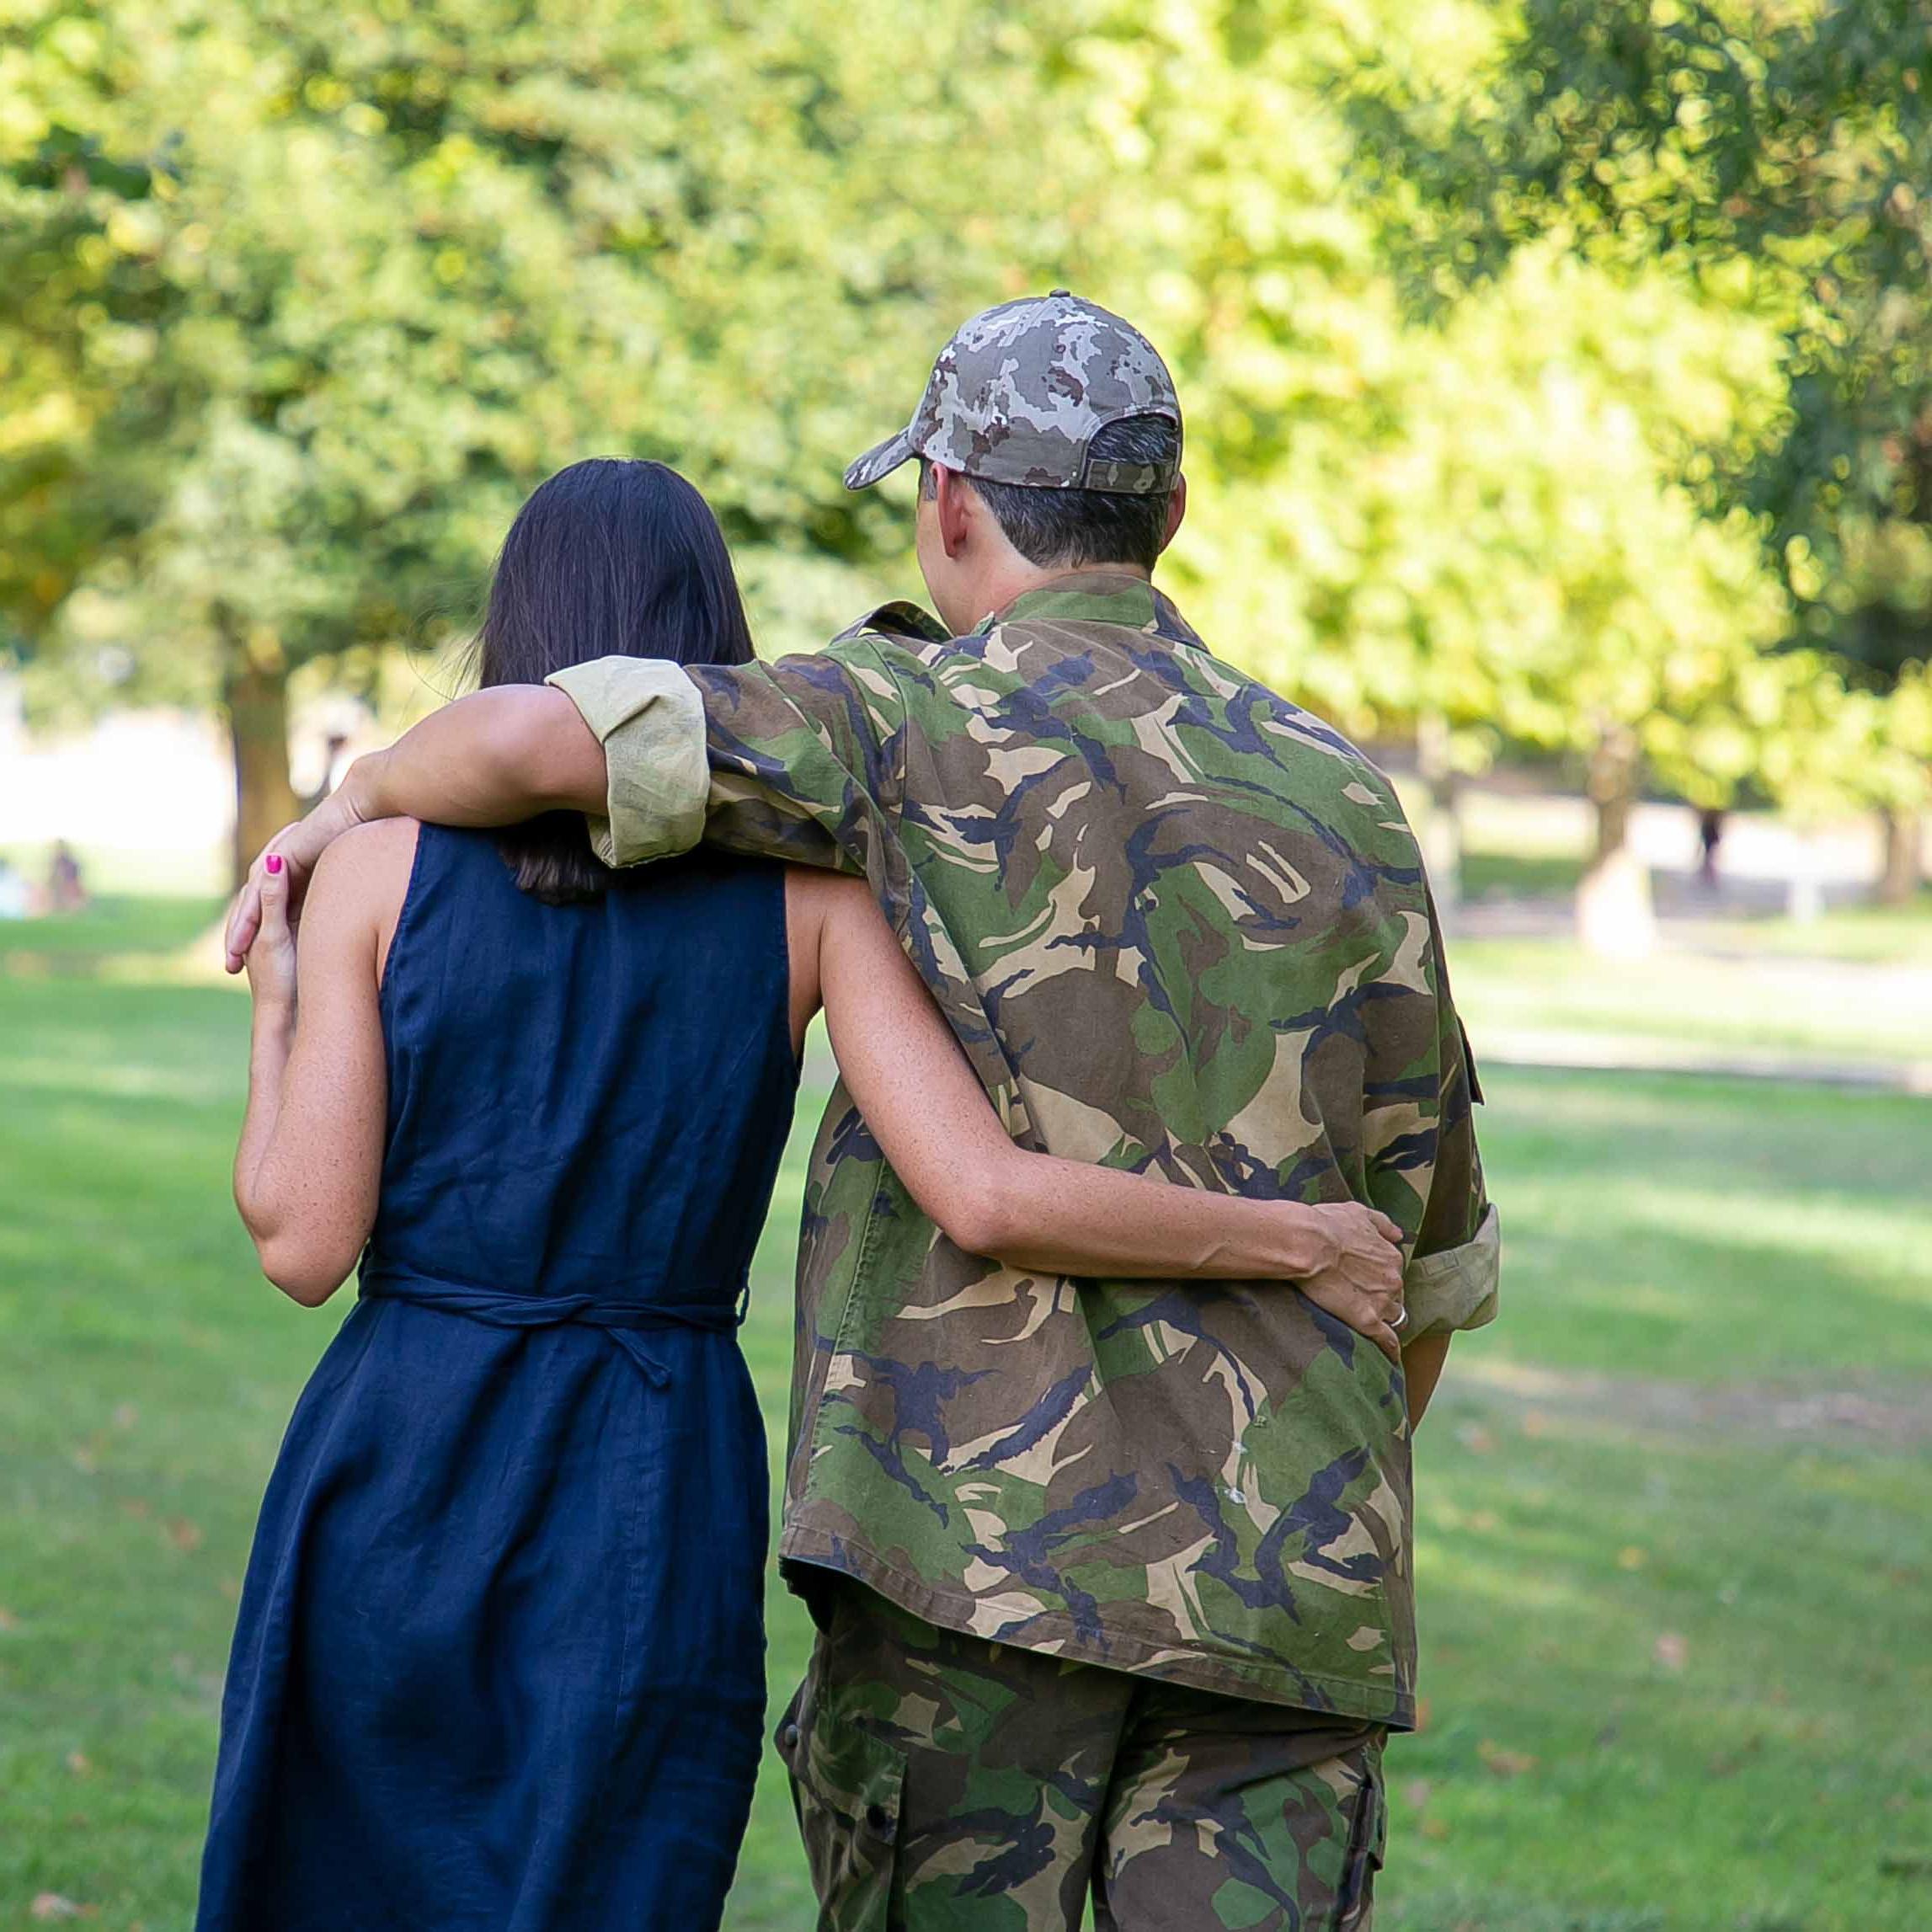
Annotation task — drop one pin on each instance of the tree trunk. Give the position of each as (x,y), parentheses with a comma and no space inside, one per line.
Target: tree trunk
(1904,865)
(1441,838)
(1615,918)
(256,698)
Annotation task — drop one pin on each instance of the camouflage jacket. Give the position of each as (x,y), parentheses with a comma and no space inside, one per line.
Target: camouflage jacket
(1179,926)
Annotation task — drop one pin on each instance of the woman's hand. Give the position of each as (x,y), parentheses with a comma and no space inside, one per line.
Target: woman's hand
(1356,1271)
(271,953)
(293,853)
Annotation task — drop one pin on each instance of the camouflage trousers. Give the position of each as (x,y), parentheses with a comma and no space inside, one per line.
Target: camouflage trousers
(946,1783)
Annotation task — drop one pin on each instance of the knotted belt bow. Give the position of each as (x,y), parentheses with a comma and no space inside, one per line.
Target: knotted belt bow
(625,1322)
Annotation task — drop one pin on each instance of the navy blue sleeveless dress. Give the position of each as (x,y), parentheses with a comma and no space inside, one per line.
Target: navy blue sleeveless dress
(499,1658)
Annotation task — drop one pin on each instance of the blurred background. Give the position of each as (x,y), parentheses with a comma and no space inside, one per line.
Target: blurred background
(1559,380)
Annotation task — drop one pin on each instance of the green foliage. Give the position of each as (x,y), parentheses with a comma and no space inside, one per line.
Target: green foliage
(1496,510)
(392,265)
(1775,158)
(1551,370)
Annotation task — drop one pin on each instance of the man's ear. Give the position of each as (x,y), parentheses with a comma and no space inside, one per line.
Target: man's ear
(953,505)
(1177,510)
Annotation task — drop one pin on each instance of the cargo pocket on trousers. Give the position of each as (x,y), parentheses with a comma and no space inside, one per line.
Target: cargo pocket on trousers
(1367,1839)
(847,1786)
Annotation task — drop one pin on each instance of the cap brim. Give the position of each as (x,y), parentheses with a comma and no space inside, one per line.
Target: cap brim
(882,459)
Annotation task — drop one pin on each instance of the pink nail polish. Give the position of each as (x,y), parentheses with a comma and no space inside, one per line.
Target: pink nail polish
(274,862)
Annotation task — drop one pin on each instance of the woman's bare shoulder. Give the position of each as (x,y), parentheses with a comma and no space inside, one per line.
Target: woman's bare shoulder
(363,878)
(370,858)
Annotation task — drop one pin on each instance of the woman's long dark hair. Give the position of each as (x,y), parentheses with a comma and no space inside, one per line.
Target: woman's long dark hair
(608,559)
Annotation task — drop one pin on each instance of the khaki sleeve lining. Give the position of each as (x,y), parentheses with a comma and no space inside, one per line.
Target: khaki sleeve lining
(1457,1288)
(649,716)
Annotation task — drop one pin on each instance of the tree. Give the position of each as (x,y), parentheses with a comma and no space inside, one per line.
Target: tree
(1470,518)
(382,270)
(1779,160)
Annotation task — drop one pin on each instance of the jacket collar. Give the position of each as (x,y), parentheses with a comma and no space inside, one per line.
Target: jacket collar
(1096,597)
(1078,597)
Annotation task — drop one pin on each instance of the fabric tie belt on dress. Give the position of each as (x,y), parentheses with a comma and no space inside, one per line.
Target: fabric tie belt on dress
(625,1322)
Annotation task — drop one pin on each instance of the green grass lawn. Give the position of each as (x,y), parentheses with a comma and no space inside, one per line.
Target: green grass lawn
(1487,875)
(1873,934)
(1854,985)
(1740,1000)
(116,927)
(1674,1553)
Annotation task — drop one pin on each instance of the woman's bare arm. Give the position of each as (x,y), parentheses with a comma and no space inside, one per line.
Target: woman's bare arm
(310,1160)
(932,1119)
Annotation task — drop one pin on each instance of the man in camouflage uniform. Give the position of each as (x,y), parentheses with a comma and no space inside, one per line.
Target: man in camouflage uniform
(1113,1578)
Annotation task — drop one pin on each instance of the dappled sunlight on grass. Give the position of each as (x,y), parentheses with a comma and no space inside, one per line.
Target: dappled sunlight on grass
(1669,1615)
(1710,1229)
(1661,1671)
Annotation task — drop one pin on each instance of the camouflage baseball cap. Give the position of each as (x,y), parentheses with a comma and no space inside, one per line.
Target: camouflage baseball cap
(1019,393)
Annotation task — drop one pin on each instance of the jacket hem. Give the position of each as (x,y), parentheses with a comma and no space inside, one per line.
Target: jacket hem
(1139,1657)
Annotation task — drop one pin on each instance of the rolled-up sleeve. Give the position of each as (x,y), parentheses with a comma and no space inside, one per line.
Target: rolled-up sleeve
(649,718)
(1456,1287)
(1453,1280)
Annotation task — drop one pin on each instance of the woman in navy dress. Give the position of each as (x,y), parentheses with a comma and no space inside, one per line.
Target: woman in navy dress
(499,1665)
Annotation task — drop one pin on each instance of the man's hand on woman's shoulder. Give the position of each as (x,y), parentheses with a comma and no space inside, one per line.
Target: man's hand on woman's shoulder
(298,848)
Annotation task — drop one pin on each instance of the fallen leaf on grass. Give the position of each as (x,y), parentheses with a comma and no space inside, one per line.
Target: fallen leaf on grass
(134,1506)
(8,1622)
(1505,1764)
(79,1764)
(50,1905)
(1416,1793)
(1476,1439)
(183,1534)
(1435,1827)
(1672,1651)
(126,1416)
(1728,1763)
(1535,1423)
(1483,1521)
(1629,1557)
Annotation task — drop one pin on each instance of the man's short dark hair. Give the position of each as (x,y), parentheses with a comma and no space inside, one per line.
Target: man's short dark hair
(1071,527)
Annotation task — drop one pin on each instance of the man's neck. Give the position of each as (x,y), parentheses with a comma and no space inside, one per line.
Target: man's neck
(1006,586)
